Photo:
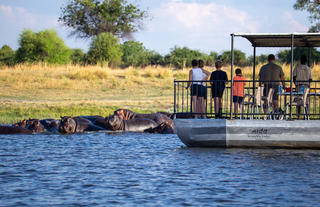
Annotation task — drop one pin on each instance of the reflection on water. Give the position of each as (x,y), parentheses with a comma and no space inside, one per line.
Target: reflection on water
(151,170)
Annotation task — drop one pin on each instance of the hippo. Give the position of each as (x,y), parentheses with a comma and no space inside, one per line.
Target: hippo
(35,126)
(166,113)
(125,114)
(96,120)
(14,130)
(21,123)
(159,118)
(163,128)
(51,125)
(183,115)
(69,125)
(133,125)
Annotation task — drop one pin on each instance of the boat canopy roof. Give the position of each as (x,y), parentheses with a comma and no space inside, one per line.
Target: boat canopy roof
(282,39)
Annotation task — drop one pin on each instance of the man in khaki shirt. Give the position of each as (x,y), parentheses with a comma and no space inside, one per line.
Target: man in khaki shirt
(271,75)
(302,77)
(302,74)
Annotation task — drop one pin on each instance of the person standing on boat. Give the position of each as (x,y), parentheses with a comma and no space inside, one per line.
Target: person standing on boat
(302,78)
(238,91)
(196,75)
(271,75)
(218,80)
(302,74)
(203,87)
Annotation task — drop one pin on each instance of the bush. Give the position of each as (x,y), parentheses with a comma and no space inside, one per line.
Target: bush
(7,56)
(77,57)
(105,49)
(239,58)
(134,54)
(44,46)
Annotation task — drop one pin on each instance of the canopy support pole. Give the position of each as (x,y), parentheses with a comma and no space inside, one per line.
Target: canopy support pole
(232,62)
(291,74)
(309,55)
(254,72)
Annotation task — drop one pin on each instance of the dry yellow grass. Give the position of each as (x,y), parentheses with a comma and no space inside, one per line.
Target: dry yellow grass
(73,90)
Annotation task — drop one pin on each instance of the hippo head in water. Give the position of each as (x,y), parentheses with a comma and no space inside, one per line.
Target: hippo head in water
(35,126)
(67,125)
(125,114)
(114,122)
(22,123)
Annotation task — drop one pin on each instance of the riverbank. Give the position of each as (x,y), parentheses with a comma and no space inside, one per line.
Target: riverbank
(46,91)
(41,91)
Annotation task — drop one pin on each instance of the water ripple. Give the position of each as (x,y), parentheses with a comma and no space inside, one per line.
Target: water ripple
(151,170)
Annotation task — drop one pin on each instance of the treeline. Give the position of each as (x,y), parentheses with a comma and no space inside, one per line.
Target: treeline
(105,49)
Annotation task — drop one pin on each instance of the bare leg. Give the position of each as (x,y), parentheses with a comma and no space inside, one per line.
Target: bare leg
(275,105)
(199,108)
(195,105)
(298,112)
(216,105)
(235,105)
(203,105)
(220,107)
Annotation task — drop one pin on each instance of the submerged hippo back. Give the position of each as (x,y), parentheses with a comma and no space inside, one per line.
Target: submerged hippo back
(139,125)
(85,125)
(14,130)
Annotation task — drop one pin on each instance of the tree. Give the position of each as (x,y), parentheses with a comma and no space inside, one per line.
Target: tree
(182,57)
(105,48)
(89,18)
(239,58)
(155,58)
(7,56)
(44,46)
(77,57)
(313,7)
(285,55)
(134,54)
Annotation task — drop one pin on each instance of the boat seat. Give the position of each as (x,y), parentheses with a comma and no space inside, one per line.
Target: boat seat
(300,101)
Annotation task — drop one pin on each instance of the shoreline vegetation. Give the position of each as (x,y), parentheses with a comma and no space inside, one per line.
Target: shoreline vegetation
(51,91)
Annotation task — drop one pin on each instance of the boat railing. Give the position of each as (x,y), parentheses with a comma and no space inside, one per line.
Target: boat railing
(261,100)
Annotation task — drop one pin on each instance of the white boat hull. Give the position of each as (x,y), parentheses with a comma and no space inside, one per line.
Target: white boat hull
(249,133)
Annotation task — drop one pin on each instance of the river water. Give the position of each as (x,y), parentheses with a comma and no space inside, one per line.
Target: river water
(151,170)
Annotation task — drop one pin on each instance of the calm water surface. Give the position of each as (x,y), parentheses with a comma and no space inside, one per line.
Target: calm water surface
(151,170)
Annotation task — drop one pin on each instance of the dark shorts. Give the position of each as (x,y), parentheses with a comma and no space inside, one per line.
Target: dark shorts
(217,91)
(198,90)
(237,99)
(266,88)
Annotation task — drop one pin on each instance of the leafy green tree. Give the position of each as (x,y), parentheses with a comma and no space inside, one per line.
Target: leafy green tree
(285,55)
(134,54)
(44,46)
(7,56)
(105,49)
(155,58)
(313,7)
(182,57)
(77,57)
(210,59)
(261,59)
(239,58)
(89,18)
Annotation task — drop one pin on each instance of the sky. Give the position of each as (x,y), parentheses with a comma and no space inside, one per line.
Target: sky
(204,25)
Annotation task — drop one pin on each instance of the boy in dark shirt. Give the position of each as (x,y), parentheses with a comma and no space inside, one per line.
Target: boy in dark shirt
(218,80)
